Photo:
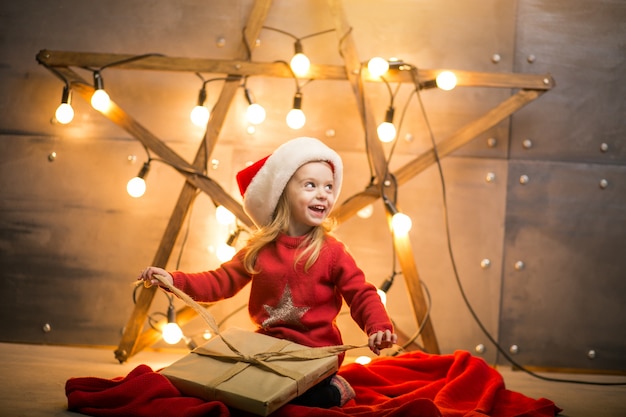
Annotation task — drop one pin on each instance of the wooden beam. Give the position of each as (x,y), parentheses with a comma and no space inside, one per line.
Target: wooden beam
(404,251)
(242,68)
(118,116)
(459,138)
(348,51)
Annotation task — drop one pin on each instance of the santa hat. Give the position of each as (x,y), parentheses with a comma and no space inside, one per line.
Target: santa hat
(262,183)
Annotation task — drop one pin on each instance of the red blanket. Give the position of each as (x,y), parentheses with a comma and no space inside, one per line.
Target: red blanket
(412,384)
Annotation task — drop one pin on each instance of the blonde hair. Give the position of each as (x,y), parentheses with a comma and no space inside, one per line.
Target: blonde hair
(311,246)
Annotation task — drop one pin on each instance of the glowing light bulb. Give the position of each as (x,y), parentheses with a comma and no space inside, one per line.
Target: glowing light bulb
(366,212)
(224,252)
(172,333)
(363,360)
(64,113)
(295,119)
(224,216)
(377,66)
(401,224)
(136,187)
(199,116)
(300,64)
(100,100)
(386,132)
(446,80)
(255,114)
(383,296)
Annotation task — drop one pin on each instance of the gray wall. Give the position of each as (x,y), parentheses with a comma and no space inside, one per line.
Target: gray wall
(72,241)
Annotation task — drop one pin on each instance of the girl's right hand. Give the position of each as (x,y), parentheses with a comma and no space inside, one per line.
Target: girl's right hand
(147,275)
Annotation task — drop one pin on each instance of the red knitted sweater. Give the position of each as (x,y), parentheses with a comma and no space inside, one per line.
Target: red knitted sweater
(289,303)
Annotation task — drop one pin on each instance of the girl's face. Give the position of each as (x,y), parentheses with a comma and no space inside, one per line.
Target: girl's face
(310,196)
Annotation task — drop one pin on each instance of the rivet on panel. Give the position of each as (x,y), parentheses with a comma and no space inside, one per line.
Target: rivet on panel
(330,133)
(215,163)
(257,43)
(519,265)
(531,58)
(238,66)
(492,142)
(485,263)
(220,42)
(495,58)
(52,156)
(604,147)
(527,143)
(490,177)
(480,348)
(604,183)
(46,328)
(591,354)
(132,158)
(387,183)
(514,349)
(546,81)
(524,179)
(409,137)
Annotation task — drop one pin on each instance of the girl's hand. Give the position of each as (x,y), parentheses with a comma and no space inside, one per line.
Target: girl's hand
(147,275)
(381,340)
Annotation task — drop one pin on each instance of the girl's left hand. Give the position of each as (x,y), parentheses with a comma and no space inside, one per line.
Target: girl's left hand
(381,340)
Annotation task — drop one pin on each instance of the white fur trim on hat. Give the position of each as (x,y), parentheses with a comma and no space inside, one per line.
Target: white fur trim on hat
(263,192)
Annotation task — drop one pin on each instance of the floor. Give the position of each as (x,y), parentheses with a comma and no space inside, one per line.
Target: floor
(33,378)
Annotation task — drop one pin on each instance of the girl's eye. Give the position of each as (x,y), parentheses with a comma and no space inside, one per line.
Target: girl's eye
(309,185)
(329,187)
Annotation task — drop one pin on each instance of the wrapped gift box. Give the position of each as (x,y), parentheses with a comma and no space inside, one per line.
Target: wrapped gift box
(215,373)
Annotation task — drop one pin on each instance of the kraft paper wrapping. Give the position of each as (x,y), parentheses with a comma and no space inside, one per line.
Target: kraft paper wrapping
(212,372)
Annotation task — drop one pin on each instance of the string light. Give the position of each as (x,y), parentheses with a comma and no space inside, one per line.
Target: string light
(100,99)
(300,63)
(65,113)
(386,130)
(224,216)
(136,187)
(377,66)
(401,224)
(255,113)
(446,80)
(296,118)
(172,333)
(200,114)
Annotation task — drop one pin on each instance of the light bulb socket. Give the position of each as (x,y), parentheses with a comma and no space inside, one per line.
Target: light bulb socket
(297,46)
(389,114)
(390,206)
(232,238)
(171,314)
(144,170)
(248,95)
(66,97)
(384,287)
(202,96)
(428,84)
(98,83)
(297,101)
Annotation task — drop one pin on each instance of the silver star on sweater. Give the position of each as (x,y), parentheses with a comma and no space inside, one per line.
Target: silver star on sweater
(285,312)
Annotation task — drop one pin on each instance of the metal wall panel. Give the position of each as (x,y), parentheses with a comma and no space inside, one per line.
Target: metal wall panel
(582,43)
(563,285)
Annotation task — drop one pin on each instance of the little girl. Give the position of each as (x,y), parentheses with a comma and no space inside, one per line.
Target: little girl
(299,273)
